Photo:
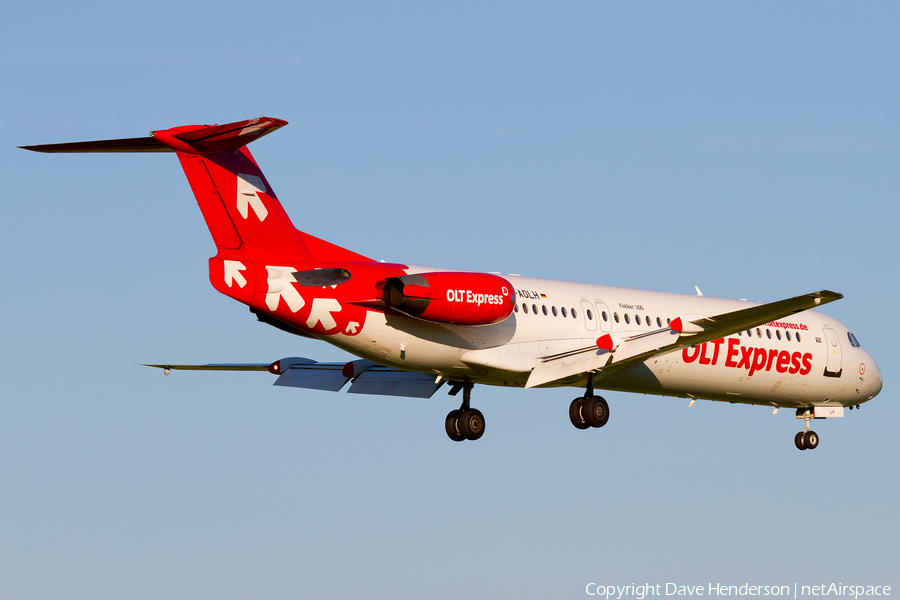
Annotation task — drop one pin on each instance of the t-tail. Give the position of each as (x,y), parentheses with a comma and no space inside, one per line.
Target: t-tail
(244,216)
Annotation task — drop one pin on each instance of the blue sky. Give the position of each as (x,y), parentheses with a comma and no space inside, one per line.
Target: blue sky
(751,150)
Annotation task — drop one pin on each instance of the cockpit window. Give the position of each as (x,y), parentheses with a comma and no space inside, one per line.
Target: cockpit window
(853,341)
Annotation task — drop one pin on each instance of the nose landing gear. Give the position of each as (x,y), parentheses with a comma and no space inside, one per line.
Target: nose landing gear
(464,423)
(589,410)
(806,439)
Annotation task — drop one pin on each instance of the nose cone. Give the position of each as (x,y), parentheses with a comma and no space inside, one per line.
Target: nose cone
(872,377)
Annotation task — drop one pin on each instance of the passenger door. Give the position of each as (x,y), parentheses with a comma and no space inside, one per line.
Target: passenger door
(833,349)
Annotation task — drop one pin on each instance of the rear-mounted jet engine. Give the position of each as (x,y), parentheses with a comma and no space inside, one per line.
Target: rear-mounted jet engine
(452,298)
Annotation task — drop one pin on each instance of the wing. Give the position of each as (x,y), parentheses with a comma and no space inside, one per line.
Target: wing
(219,367)
(367,377)
(620,353)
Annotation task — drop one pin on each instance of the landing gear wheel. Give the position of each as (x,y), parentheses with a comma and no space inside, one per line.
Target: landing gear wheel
(811,440)
(798,441)
(451,424)
(471,424)
(595,411)
(575,414)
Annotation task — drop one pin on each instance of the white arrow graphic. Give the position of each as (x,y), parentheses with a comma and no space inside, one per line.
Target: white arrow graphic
(321,313)
(351,327)
(280,280)
(247,196)
(233,270)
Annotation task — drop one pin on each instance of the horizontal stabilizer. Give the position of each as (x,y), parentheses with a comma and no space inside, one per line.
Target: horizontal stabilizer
(189,139)
(143,144)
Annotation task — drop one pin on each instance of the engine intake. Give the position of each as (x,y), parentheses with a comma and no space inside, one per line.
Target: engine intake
(451,298)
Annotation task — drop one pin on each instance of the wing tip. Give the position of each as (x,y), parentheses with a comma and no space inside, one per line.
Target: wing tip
(826,296)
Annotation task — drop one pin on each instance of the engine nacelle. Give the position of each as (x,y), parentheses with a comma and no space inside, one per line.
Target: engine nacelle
(452,298)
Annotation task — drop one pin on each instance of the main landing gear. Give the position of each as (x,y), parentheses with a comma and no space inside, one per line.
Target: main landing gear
(806,439)
(464,423)
(590,410)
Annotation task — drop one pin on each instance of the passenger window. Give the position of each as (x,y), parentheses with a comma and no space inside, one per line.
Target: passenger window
(590,316)
(787,334)
(563,309)
(778,333)
(758,332)
(605,316)
(534,308)
(553,310)
(544,310)
(739,333)
(627,319)
(637,319)
(574,314)
(616,317)
(668,321)
(798,337)
(768,334)
(525,308)
(658,322)
(516,308)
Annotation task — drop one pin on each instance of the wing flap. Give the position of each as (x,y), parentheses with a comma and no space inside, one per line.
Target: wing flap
(554,369)
(385,381)
(317,376)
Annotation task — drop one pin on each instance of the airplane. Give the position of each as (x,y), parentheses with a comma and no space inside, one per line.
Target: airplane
(415,329)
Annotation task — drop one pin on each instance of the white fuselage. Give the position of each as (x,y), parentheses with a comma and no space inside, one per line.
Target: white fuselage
(800,361)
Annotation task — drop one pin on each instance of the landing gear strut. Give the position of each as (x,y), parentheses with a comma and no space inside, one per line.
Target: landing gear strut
(590,410)
(464,423)
(806,439)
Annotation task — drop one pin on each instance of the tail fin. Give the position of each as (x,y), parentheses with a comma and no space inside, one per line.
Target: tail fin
(242,212)
(240,208)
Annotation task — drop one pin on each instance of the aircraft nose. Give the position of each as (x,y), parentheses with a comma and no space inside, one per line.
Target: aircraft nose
(872,376)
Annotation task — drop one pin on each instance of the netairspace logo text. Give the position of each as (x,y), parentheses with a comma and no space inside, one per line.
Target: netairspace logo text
(640,592)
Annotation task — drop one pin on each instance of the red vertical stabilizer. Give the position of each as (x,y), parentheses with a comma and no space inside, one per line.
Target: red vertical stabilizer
(243,214)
